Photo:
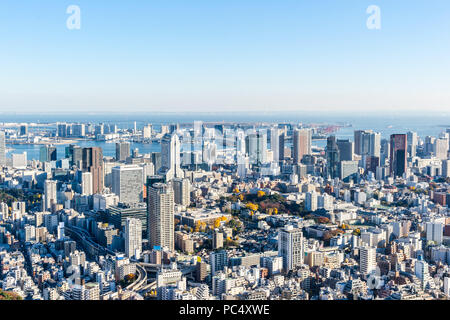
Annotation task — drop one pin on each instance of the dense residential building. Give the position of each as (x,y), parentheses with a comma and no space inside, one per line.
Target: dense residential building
(160,210)
(290,247)
(263,212)
(133,238)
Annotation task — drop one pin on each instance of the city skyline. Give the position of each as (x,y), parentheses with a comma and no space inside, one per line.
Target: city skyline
(215,153)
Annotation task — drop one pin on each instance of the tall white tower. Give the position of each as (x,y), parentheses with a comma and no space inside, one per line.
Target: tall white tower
(49,194)
(170,157)
(133,237)
(160,211)
(290,247)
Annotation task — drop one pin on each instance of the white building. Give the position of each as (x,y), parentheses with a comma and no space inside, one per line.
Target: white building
(49,194)
(127,183)
(133,237)
(290,247)
(367,260)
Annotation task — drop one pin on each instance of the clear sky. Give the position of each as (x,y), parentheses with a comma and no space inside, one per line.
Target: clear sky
(216,55)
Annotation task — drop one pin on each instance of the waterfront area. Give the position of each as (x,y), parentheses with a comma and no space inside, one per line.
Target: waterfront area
(214,211)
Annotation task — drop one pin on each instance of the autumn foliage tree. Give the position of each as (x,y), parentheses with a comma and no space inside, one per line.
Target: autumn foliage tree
(252,206)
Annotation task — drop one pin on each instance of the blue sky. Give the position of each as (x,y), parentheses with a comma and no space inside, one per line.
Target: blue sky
(214,55)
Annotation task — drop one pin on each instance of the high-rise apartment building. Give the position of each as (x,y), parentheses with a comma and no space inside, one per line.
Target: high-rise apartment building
(160,210)
(2,149)
(133,238)
(290,247)
(86,183)
(367,260)
(218,261)
(182,191)
(50,195)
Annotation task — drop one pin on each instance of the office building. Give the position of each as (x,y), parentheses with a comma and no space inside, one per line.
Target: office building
(170,157)
(332,153)
(413,142)
(19,160)
(346,149)
(122,151)
(256,145)
(92,161)
(48,153)
(182,191)
(398,162)
(127,183)
(301,144)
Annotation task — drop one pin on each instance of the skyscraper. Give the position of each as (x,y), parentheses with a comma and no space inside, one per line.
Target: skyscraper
(367,143)
(170,157)
(47,153)
(49,194)
(182,191)
(290,247)
(257,146)
(23,131)
(346,148)
(160,210)
(398,153)
(435,232)
(275,143)
(93,162)
(412,143)
(86,183)
(122,151)
(301,144)
(75,155)
(2,149)
(332,152)
(281,146)
(440,148)
(147,131)
(61,130)
(127,183)
(133,237)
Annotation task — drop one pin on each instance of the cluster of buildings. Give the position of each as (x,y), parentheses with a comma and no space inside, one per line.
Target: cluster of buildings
(225,211)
